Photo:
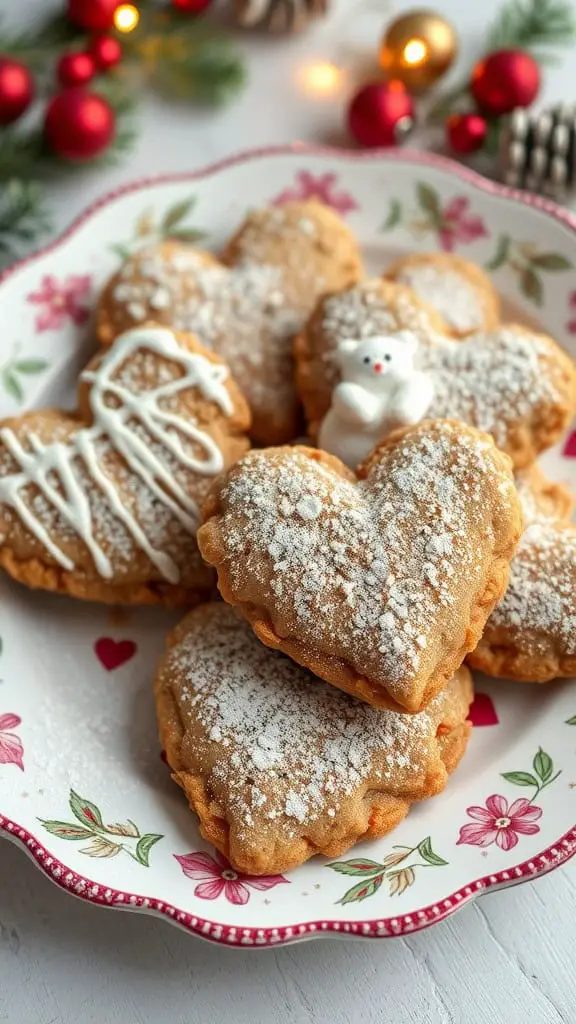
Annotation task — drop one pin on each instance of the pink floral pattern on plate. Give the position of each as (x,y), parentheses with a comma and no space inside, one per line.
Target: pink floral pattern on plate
(499,823)
(216,876)
(320,186)
(458,224)
(11,749)
(61,301)
(451,221)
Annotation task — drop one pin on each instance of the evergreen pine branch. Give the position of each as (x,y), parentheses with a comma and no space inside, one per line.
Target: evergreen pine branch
(35,47)
(23,217)
(529,24)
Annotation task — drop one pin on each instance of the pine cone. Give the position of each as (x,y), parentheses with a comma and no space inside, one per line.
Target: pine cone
(538,151)
(278,15)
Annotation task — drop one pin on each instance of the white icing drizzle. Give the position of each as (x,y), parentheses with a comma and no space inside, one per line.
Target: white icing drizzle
(55,468)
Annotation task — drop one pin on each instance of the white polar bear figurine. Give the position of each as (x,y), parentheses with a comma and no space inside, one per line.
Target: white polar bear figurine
(380,390)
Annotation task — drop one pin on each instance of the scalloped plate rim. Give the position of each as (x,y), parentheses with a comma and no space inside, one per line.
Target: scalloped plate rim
(237,936)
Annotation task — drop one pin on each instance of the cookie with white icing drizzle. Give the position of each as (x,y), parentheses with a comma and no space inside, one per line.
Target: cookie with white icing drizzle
(531,635)
(456,288)
(247,307)
(380,583)
(515,384)
(278,765)
(104,503)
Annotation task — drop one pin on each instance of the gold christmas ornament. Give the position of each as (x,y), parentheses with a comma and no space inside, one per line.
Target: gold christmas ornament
(418,48)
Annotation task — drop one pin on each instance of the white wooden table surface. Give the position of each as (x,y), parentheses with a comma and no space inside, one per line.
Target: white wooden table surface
(64,962)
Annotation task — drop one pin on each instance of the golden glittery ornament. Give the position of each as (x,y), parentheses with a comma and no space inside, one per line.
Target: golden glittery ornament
(418,48)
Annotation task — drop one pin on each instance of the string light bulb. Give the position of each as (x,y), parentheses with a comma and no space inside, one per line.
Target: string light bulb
(126,17)
(321,78)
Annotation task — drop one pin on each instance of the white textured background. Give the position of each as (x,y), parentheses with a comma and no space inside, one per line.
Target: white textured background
(504,960)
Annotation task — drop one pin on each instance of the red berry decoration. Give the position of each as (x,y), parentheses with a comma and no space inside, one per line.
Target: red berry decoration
(92,15)
(79,124)
(75,69)
(106,51)
(381,114)
(505,80)
(191,6)
(466,132)
(16,90)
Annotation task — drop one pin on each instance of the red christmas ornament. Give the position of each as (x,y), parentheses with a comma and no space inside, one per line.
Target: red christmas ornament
(381,114)
(505,80)
(16,90)
(79,124)
(466,132)
(106,51)
(191,6)
(92,15)
(75,69)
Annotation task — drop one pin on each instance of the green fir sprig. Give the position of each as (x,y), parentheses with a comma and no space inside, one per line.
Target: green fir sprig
(177,55)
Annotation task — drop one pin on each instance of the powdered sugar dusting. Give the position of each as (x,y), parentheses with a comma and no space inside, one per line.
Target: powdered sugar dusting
(490,380)
(227,310)
(279,745)
(540,603)
(447,292)
(382,564)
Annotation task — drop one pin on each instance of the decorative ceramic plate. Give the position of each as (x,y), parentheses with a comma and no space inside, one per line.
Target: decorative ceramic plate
(83,788)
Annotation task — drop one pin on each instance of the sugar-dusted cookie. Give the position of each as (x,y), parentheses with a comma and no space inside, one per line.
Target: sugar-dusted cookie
(379,584)
(103,503)
(515,384)
(457,288)
(248,311)
(531,635)
(277,765)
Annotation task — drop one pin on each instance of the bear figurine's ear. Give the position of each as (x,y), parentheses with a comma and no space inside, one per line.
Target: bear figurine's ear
(347,347)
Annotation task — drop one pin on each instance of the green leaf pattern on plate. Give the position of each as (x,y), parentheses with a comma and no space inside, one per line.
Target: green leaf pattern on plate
(150,228)
(394,868)
(104,840)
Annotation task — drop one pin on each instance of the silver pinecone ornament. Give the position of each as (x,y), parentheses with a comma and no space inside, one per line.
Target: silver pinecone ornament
(278,15)
(538,151)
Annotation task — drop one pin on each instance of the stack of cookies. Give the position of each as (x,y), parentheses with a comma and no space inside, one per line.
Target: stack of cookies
(327,691)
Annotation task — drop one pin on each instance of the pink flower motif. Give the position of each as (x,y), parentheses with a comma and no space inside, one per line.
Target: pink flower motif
(571,325)
(216,876)
(11,749)
(499,823)
(321,187)
(458,225)
(61,301)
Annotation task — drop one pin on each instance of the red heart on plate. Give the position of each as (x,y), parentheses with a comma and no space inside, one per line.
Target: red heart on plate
(570,446)
(482,711)
(113,653)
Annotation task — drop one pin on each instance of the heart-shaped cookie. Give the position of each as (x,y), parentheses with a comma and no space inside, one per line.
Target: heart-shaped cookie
(515,384)
(103,503)
(531,635)
(380,584)
(278,765)
(246,308)
(456,288)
